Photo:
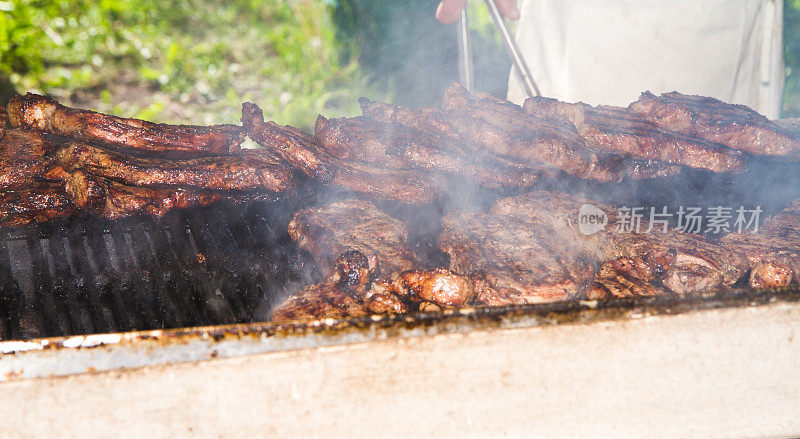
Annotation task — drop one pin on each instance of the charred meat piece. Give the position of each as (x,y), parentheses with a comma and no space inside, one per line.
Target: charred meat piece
(616,129)
(622,278)
(507,130)
(439,286)
(396,146)
(774,251)
(122,200)
(37,203)
(248,169)
(684,262)
(298,149)
(42,113)
(24,156)
(734,126)
(330,230)
(340,296)
(514,259)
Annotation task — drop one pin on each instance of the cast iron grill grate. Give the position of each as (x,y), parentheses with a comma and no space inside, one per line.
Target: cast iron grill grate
(217,265)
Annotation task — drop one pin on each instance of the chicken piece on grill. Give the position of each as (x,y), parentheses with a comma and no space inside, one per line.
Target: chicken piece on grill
(330,230)
(683,262)
(616,129)
(42,113)
(507,130)
(734,126)
(247,169)
(37,203)
(340,296)
(298,149)
(514,259)
(396,146)
(774,251)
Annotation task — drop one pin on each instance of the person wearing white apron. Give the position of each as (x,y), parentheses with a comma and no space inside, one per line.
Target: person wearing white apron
(607,52)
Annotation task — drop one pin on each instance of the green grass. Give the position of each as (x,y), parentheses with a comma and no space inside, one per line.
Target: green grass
(173,61)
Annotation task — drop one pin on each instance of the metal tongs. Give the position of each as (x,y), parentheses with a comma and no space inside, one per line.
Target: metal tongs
(466,73)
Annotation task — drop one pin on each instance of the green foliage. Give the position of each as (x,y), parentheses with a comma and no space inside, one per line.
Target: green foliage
(791,39)
(183,60)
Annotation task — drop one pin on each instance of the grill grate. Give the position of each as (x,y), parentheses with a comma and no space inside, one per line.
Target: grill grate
(221,264)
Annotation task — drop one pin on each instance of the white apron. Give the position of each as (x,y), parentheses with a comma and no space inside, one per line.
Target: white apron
(609,51)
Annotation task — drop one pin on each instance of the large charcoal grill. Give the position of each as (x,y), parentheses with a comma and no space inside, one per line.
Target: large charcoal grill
(220,265)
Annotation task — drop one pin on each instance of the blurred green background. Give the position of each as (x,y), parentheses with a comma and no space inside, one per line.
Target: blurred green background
(197,60)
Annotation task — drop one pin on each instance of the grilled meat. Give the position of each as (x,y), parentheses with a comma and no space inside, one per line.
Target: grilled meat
(3,122)
(24,156)
(514,259)
(618,130)
(396,146)
(348,225)
(774,251)
(122,200)
(37,203)
(684,262)
(506,129)
(623,277)
(340,296)
(298,149)
(734,126)
(248,169)
(42,113)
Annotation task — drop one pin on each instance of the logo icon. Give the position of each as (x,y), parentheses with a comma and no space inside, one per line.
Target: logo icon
(591,219)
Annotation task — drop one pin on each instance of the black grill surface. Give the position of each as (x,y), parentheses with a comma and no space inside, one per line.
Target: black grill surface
(227,263)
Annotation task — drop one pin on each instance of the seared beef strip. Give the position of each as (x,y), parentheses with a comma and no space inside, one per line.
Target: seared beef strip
(330,230)
(506,129)
(248,169)
(514,259)
(734,126)
(774,251)
(684,262)
(298,149)
(396,146)
(24,156)
(122,200)
(615,129)
(37,203)
(42,113)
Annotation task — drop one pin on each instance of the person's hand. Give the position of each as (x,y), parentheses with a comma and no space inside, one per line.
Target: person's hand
(449,10)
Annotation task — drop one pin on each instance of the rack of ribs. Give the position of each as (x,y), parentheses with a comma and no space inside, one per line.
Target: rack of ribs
(616,129)
(246,169)
(507,130)
(734,126)
(41,113)
(299,150)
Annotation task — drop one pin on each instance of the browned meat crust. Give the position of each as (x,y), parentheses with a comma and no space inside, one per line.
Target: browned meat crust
(682,261)
(298,149)
(774,251)
(24,156)
(616,129)
(42,113)
(340,296)
(124,200)
(353,225)
(734,126)
(515,259)
(622,277)
(248,169)
(36,203)
(506,129)
(399,147)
